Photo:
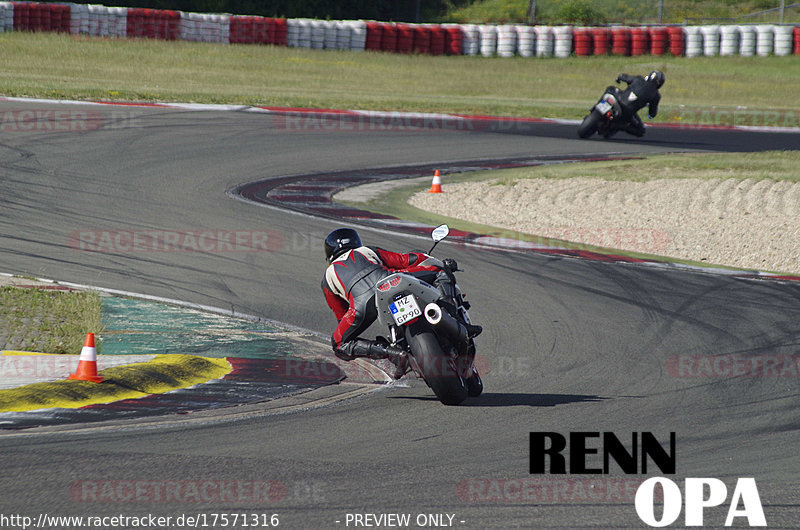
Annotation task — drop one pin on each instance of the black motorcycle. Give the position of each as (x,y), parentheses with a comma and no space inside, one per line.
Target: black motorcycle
(426,323)
(606,117)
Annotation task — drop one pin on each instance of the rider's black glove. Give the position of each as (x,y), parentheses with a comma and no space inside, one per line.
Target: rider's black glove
(450,264)
(618,79)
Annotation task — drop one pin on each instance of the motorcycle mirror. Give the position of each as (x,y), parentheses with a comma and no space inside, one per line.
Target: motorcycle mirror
(439,233)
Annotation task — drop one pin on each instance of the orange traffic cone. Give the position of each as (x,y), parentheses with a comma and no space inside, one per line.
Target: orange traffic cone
(436,186)
(87,364)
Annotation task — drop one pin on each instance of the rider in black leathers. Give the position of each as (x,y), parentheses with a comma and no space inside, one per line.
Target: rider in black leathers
(641,92)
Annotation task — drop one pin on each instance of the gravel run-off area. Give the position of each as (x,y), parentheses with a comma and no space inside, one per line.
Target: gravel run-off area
(750,224)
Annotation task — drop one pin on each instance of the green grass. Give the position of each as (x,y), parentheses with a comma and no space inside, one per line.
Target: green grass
(623,11)
(59,66)
(47,321)
(775,165)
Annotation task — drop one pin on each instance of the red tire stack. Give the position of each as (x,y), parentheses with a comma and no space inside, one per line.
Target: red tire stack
(437,40)
(582,41)
(601,39)
(405,38)
(242,31)
(796,34)
(621,41)
(659,40)
(676,40)
(422,39)
(59,18)
(454,40)
(263,30)
(281,31)
(389,38)
(640,43)
(374,36)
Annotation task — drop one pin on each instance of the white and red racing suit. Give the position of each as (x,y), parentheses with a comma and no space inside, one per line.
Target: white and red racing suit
(349,284)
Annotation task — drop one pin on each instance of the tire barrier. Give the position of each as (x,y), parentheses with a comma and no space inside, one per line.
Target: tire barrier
(526,41)
(454,40)
(764,39)
(358,35)
(620,41)
(747,41)
(374,36)
(677,40)
(582,42)
(797,40)
(471,43)
(488,42)
(659,40)
(693,42)
(405,38)
(435,39)
(784,36)
(422,39)
(199,27)
(710,40)
(640,41)
(153,24)
(729,40)
(544,41)
(252,30)
(343,35)
(562,41)
(506,41)
(6,16)
(388,38)
(601,41)
(40,17)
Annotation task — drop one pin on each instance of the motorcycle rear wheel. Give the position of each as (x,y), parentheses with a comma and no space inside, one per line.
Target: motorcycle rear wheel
(589,125)
(438,369)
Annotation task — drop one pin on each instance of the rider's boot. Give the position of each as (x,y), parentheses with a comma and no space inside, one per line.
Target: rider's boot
(369,349)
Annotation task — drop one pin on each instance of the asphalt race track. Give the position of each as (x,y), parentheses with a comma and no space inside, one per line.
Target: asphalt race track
(573,345)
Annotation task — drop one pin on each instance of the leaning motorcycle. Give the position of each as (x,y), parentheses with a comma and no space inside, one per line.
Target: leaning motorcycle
(427,323)
(604,118)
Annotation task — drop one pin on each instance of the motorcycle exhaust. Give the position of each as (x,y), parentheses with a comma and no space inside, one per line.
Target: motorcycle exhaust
(444,322)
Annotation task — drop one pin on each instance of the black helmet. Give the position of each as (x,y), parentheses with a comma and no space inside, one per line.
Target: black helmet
(656,76)
(340,241)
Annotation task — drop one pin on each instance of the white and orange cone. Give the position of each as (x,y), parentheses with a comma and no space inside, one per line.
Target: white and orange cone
(87,364)
(436,186)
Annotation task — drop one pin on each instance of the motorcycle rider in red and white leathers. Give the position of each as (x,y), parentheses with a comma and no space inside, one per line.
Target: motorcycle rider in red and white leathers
(349,283)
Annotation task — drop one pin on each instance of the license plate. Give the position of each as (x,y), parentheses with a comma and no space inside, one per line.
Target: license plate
(405,309)
(603,107)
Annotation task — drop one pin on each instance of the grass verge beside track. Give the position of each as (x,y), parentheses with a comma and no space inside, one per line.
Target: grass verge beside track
(774,165)
(49,65)
(47,320)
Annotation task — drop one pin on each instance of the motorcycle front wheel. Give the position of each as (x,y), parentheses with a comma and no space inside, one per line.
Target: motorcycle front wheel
(438,369)
(589,125)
